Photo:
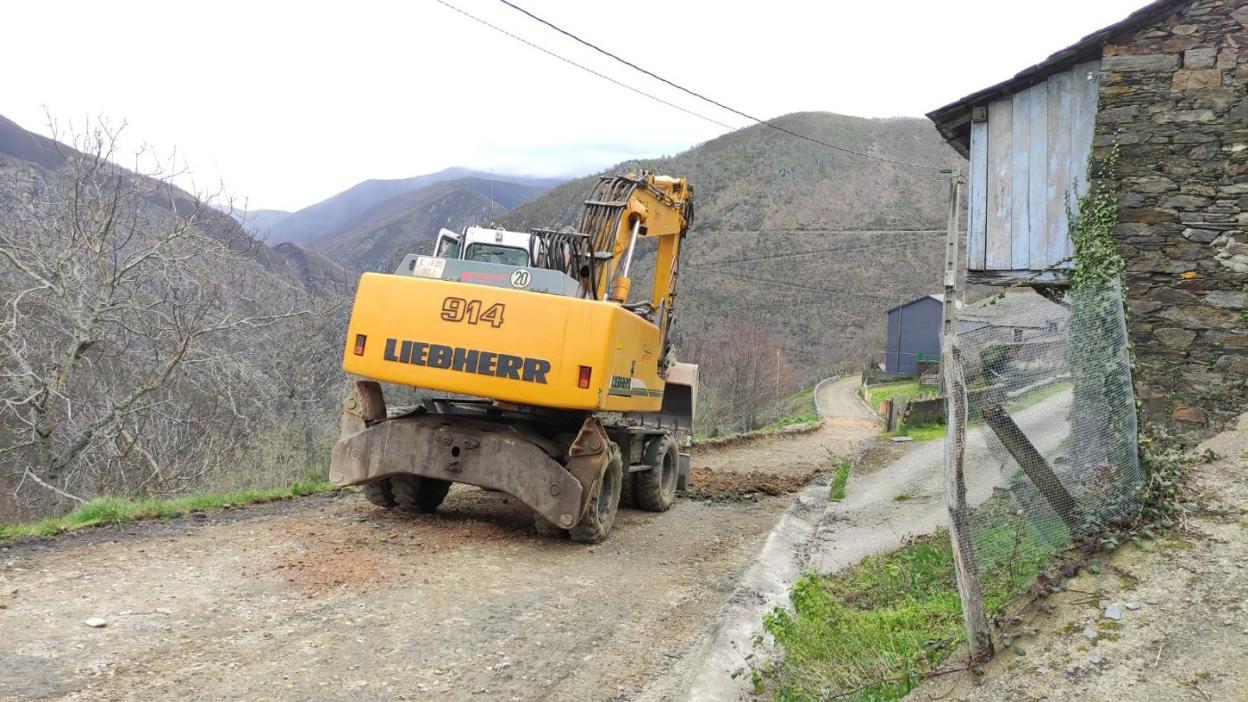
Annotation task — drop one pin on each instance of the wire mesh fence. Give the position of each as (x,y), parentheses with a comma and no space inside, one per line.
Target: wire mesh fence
(1043,423)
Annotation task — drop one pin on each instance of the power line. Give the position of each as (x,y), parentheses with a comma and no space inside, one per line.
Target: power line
(584,68)
(896,243)
(716,103)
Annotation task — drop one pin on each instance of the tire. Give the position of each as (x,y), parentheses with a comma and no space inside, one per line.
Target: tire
(604,501)
(656,488)
(545,528)
(378,492)
(413,493)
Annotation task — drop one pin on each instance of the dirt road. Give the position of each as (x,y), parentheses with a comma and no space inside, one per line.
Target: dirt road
(329,598)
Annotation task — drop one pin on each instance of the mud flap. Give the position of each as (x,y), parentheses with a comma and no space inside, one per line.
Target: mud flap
(682,477)
(586,460)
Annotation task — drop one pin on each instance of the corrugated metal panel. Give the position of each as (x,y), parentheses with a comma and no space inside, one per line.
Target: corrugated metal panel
(1034,146)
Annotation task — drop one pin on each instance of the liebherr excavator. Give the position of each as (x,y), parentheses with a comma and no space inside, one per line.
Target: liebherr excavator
(559,388)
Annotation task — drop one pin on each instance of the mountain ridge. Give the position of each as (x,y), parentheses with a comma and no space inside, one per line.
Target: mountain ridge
(339,211)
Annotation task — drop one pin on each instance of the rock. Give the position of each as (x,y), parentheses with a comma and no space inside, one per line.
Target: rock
(1187,413)
(1095,659)
(1174,337)
(901,438)
(1132,605)
(1140,62)
(1203,57)
(1152,601)
(95,622)
(1113,611)
(1227,299)
(1196,79)
(1090,632)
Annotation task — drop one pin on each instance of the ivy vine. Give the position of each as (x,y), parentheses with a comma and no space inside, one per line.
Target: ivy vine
(1092,224)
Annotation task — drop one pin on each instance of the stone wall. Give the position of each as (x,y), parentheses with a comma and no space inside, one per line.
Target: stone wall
(1174,97)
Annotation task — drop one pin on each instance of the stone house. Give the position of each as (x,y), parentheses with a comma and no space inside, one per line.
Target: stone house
(1168,88)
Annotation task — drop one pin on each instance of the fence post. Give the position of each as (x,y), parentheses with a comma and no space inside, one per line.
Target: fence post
(978,636)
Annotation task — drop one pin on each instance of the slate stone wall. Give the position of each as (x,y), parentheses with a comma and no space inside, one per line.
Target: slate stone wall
(1174,98)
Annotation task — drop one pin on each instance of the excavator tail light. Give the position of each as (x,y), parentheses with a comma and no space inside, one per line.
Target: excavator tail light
(583,381)
(360,340)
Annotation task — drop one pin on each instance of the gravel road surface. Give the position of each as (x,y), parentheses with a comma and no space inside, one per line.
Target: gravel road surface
(329,598)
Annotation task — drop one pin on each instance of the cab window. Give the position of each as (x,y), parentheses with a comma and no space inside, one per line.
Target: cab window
(493,253)
(447,248)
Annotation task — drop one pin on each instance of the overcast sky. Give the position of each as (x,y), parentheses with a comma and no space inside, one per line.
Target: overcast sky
(288,103)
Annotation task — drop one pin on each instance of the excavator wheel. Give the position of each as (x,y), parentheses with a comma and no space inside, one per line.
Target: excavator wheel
(604,501)
(413,493)
(656,488)
(378,492)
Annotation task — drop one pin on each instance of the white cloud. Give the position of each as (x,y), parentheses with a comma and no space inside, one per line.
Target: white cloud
(287,103)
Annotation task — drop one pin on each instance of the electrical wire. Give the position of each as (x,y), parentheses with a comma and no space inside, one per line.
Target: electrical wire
(584,68)
(716,103)
(899,241)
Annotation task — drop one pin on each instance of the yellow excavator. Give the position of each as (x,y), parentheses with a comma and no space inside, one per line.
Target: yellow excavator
(542,377)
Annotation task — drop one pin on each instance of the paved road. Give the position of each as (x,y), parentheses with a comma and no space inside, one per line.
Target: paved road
(329,598)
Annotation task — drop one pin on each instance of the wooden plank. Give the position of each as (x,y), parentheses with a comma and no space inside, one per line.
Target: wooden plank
(997,240)
(1084,82)
(966,570)
(977,202)
(1038,175)
(1060,120)
(1034,466)
(1020,182)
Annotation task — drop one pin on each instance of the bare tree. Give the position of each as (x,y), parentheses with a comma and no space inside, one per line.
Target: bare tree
(133,315)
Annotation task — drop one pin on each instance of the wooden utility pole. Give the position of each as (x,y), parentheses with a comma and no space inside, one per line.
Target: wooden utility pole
(970,591)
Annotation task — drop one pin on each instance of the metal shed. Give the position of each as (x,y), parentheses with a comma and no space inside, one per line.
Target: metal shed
(913,335)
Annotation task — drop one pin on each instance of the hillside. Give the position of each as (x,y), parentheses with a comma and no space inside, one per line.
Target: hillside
(261,222)
(342,210)
(806,244)
(379,237)
(152,345)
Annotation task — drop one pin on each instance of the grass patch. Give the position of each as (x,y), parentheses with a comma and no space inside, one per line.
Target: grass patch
(871,632)
(120,510)
(840,476)
(1035,397)
(922,432)
(797,409)
(902,497)
(902,390)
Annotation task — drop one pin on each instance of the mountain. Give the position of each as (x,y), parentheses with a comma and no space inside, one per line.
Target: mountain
(21,149)
(340,211)
(261,222)
(378,238)
(807,244)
